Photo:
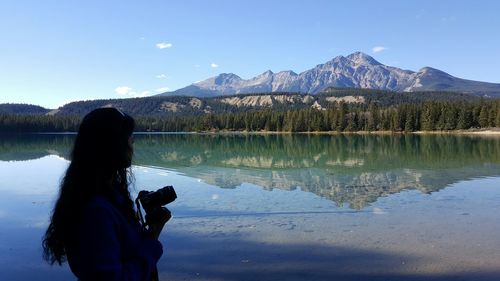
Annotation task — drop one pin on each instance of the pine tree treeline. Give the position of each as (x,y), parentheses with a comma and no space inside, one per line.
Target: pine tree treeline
(428,116)
(38,123)
(341,117)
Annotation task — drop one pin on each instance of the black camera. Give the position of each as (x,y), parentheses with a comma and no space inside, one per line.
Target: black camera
(152,202)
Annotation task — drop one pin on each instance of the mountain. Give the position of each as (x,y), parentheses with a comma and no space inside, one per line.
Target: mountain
(22,109)
(357,70)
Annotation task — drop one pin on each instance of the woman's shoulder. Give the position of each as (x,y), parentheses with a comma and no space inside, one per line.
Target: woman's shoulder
(99,201)
(99,206)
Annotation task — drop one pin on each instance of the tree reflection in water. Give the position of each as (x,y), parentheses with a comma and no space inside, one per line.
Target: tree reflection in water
(348,169)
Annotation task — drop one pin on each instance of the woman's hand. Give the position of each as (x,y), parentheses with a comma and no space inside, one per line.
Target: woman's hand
(156,227)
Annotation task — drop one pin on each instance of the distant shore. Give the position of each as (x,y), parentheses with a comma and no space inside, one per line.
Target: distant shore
(485,132)
(489,131)
(477,132)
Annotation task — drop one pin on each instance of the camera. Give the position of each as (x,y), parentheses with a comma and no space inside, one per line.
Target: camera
(152,202)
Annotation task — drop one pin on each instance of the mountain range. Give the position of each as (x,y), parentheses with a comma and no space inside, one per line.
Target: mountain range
(357,70)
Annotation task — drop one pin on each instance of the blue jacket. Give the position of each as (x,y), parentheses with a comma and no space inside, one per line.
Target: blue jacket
(107,246)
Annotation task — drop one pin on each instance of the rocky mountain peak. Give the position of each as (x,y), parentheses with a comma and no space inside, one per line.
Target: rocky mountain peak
(267,73)
(338,60)
(287,72)
(226,78)
(357,70)
(362,58)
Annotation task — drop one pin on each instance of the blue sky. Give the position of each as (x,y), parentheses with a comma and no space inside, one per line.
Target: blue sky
(54,52)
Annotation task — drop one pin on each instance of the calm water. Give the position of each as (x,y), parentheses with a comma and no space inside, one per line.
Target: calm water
(281,207)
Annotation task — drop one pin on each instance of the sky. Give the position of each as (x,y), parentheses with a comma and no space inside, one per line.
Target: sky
(55,52)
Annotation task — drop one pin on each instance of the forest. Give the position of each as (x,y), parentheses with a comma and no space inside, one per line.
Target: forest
(340,117)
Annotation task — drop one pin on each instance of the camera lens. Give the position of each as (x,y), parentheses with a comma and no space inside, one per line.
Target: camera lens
(167,195)
(159,198)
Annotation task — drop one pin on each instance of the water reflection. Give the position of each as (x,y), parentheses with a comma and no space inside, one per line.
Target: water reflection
(34,146)
(355,170)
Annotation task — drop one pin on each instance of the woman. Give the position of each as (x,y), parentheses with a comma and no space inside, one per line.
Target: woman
(94,226)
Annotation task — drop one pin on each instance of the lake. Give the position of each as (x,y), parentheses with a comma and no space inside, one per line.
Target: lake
(284,207)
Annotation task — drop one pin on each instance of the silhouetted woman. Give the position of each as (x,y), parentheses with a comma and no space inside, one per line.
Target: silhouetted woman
(93,225)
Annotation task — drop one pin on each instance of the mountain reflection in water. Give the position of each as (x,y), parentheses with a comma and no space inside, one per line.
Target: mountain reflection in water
(346,169)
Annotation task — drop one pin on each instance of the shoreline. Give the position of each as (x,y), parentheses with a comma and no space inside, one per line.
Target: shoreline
(471,132)
(485,132)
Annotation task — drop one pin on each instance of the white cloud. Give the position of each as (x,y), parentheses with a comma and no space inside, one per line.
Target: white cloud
(162,90)
(161,76)
(213,65)
(129,92)
(378,49)
(123,90)
(163,45)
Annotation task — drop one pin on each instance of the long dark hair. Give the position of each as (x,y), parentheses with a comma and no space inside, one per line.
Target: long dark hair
(99,165)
